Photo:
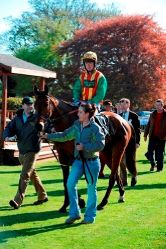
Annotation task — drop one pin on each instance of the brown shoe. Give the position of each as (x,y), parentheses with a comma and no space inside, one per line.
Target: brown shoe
(39,202)
(13,204)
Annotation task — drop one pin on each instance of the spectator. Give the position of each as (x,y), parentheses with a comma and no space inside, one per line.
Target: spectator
(23,126)
(132,118)
(156,130)
(117,108)
(107,106)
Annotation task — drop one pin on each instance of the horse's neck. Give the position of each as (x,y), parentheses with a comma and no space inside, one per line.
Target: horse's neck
(63,116)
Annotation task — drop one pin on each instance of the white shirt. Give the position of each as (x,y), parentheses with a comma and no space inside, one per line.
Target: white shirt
(125,115)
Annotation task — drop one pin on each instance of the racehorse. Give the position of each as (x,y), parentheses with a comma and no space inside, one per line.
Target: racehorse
(61,115)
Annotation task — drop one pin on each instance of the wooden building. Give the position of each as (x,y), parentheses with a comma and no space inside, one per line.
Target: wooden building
(10,65)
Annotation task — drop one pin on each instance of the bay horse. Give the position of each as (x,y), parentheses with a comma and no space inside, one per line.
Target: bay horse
(61,115)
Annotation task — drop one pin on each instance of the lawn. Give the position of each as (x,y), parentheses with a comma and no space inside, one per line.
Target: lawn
(140,222)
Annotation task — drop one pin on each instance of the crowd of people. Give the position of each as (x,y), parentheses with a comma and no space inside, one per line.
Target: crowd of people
(89,93)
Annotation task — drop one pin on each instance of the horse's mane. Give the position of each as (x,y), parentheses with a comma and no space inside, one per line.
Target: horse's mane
(65,105)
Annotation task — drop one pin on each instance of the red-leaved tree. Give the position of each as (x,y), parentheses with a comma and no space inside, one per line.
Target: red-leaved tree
(131,54)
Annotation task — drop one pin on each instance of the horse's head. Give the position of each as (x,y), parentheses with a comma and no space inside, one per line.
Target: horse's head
(60,112)
(44,105)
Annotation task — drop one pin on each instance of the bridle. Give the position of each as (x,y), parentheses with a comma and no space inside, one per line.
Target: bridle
(62,116)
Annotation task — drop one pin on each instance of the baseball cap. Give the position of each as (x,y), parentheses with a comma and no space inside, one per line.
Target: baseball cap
(27,100)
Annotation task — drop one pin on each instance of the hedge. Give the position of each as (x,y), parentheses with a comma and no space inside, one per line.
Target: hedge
(13,103)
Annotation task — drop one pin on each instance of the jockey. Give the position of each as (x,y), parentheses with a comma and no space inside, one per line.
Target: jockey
(91,86)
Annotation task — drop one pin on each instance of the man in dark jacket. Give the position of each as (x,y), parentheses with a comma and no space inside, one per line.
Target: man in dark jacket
(132,118)
(23,126)
(156,129)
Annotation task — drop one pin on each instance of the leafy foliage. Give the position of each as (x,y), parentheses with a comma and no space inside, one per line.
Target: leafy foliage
(51,21)
(13,103)
(32,36)
(131,53)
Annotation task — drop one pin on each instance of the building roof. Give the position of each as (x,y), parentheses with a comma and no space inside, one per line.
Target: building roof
(14,65)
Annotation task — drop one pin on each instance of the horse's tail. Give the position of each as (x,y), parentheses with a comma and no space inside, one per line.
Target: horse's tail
(131,154)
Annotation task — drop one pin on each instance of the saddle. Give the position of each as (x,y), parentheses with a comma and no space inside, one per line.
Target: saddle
(106,124)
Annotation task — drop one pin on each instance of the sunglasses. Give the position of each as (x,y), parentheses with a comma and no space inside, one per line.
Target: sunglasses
(123,101)
(159,101)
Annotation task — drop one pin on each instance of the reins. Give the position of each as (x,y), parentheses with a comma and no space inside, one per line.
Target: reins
(55,155)
(64,115)
(84,162)
(57,107)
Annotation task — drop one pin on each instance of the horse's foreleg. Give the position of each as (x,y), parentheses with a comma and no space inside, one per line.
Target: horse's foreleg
(65,171)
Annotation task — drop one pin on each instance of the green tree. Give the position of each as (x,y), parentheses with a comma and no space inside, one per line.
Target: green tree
(51,21)
(32,36)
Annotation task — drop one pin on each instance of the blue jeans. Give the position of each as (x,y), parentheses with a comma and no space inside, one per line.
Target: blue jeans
(75,174)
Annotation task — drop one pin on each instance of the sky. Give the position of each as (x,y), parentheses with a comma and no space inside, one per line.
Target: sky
(157,8)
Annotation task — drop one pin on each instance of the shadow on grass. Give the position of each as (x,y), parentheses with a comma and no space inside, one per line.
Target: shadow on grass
(145,186)
(52,181)
(145,172)
(4,236)
(18,218)
(82,191)
(9,172)
(42,168)
(146,161)
(143,161)
(48,168)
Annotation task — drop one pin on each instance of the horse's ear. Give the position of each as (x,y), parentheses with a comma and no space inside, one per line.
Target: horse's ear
(35,90)
(46,90)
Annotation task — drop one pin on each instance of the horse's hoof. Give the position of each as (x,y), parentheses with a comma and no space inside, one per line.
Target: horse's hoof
(81,203)
(62,210)
(121,199)
(101,176)
(100,207)
(133,181)
(102,204)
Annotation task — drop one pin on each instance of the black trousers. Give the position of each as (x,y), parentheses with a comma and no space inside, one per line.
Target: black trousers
(156,147)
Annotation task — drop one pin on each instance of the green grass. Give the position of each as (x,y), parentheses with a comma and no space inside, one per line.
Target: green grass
(140,222)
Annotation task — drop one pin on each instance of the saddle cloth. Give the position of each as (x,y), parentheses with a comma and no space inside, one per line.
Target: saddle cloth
(106,124)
